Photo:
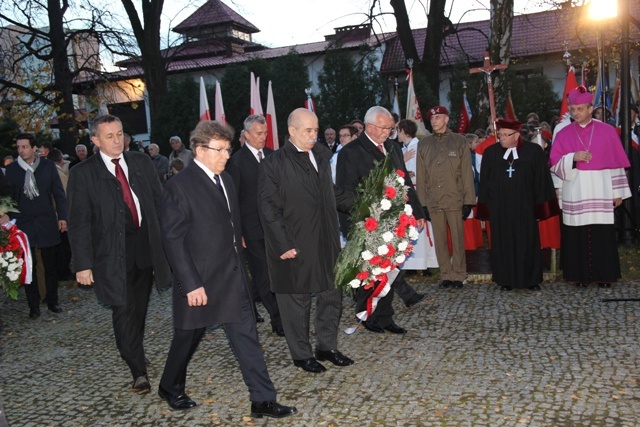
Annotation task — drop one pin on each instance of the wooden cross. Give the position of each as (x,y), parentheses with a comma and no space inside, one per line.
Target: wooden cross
(488,69)
(510,170)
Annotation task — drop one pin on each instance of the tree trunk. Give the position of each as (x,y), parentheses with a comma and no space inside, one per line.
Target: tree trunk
(500,45)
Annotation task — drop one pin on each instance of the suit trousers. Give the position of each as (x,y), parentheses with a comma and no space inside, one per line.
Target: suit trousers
(451,267)
(243,339)
(129,319)
(404,290)
(260,286)
(383,314)
(50,278)
(295,310)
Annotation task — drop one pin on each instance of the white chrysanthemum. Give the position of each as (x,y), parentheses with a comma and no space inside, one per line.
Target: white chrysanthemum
(387,237)
(383,250)
(385,204)
(377,271)
(413,233)
(366,255)
(400,258)
(3,263)
(400,180)
(355,283)
(408,209)
(386,270)
(402,246)
(13,276)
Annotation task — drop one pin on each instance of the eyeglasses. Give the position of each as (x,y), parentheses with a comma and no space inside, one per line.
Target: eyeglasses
(219,150)
(345,135)
(504,135)
(390,129)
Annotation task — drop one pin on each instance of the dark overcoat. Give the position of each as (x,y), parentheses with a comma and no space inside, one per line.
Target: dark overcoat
(97,222)
(38,218)
(298,210)
(203,243)
(243,167)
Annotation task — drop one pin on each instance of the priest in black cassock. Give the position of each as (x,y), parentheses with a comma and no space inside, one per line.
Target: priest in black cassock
(515,192)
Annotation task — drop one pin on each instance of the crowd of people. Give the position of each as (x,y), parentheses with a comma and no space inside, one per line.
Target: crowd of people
(227,230)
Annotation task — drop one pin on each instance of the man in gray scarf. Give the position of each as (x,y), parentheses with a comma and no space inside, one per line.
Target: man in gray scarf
(34,183)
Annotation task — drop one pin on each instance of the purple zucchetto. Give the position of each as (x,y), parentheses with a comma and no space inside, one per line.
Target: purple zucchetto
(580,95)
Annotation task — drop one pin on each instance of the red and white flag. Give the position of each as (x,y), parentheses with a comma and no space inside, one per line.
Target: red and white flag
(569,85)
(309,104)
(220,117)
(413,109)
(256,105)
(615,103)
(510,111)
(205,114)
(465,115)
(272,125)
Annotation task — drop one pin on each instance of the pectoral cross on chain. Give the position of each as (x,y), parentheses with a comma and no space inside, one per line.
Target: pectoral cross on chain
(510,170)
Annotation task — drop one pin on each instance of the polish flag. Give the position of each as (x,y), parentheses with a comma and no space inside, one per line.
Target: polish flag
(465,115)
(272,126)
(510,112)
(569,85)
(413,109)
(204,104)
(256,105)
(309,104)
(220,117)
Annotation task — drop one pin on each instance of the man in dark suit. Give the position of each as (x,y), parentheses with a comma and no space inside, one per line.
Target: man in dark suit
(114,198)
(330,139)
(355,162)
(243,168)
(298,212)
(35,185)
(202,238)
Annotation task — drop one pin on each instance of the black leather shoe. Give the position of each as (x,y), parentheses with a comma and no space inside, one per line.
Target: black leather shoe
(259,319)
(278,330)
(177,403)
(141,385)
(414,300)
(506,288)
(55,308)
(445,284)
(310,365)
(604,285)
(457,284)
(373,327)
(535,288)
(271,409)
(34,312)
(395,329)
(334,356)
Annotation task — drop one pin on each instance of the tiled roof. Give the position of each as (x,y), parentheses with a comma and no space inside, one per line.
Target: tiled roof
(214,12)
(534,35)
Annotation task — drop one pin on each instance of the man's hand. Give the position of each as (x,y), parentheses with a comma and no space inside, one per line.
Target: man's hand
(617,202)
(410,154)
(62,226)
(197,297)
(291,253)
(85,277)
(420,224)
(4,219)
(466,210)
(582,156)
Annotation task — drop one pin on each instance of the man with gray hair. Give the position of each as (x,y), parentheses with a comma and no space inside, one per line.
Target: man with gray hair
(355,162)
(179,151)
(160,162)
(243,167)
(81,155)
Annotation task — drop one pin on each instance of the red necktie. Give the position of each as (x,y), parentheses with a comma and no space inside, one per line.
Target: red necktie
(126,192)
(260,156)
(380,148)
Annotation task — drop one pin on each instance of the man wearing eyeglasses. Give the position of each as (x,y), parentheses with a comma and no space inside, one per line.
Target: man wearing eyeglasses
(200,219)
(515,191)
(446,190)
(355,162)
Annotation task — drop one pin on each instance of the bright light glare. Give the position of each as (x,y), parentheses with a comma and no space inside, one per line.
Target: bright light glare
(603,9)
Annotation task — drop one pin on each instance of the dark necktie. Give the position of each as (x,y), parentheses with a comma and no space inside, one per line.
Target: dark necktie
(126,192)
(260,156)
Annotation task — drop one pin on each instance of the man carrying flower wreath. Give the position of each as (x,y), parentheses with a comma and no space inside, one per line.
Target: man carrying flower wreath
(355,163)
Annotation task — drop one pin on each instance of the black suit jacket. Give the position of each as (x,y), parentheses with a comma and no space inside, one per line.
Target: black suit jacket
(243,168)
(97,223)
(202,239)
(356,160)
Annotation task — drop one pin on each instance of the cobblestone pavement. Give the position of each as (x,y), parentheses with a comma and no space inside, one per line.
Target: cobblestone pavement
(474,357)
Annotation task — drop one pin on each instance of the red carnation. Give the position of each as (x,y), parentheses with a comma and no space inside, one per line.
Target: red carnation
(400,231)
(386,263)
(390,192)
(375,260)
(404,219)
(399,172)
(370,224)
(369,285)
(392,251)
(362,275)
